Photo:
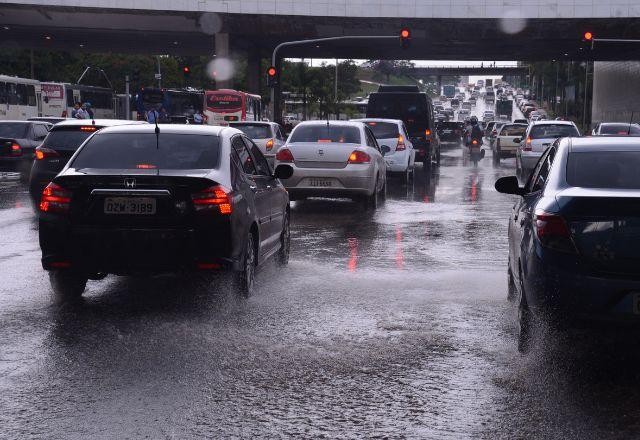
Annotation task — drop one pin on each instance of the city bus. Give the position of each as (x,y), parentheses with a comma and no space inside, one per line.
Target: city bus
(225,105)
(179,105)
(19,98)
(58,99)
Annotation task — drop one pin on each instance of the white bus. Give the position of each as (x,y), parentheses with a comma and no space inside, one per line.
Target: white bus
(58,99)
(19,98)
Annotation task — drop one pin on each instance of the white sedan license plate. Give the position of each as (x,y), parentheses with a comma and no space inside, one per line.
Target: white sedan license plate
(320,182)
(130,205)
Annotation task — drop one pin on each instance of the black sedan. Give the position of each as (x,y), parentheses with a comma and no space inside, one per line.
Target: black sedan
(574,236)
(142,199)
(18,142)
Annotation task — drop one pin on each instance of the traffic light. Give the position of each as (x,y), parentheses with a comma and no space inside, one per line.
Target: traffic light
(405,38)
(186,71)
(588,36)
(272,76)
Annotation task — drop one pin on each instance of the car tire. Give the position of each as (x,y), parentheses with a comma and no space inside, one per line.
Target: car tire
(67,285)
(371,202)
(512,292)
(282,258)
(244,279)
(524,324)
(407,176)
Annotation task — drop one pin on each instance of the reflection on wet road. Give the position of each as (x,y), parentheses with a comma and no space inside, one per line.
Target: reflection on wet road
(391,324)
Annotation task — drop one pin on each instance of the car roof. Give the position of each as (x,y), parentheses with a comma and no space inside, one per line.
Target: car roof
(605,143)
(100,122)
(15,121)
(552,122)
(390,121)
(231,123)
(168,128)
(356,124)
(619,123)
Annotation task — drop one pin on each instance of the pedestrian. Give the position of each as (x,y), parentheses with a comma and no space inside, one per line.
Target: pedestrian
(89,110)
(76,107)
(81,113)
(152,116)
(163,116)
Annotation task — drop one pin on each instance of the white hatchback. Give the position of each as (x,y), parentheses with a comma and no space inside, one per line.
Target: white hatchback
(268,136)
(393,133)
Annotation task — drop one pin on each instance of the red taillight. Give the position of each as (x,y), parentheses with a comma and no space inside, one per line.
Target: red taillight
(400,146)
(16,149)
(427,132)
(269,144)
(284,155)
(215,197)
(527,145)
(55,199)
(552,231)
(359,157)
(45,153)
(474,142)
(88,128)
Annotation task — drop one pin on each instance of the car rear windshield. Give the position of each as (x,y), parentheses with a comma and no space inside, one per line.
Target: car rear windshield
(11,130)
(604,169)
(146,151)
(68,138)
(342,134)
(552,131)
(384,130)
(449,126)
(513,130)
(620,129)
(254,131)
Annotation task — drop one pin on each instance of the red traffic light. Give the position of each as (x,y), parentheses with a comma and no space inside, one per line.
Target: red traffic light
(588,36)
(405,33)
(271,71)
(186,69)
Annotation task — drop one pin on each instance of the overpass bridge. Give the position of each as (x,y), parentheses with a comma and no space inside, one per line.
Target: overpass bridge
(470,70)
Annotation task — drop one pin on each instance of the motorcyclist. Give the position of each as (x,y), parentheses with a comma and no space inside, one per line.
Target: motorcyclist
(473,132)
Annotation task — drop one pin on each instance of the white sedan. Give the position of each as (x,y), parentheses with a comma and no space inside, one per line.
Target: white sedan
(334,159)
(393,133)
(268,136)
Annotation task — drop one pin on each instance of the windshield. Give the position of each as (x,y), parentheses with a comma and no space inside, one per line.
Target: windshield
(620,129)
(254,131)
(604,169)
(13,130)
(326,133)
(552,131)
(513,130)
(68,138)
(145,151)
(224,101)
(384,130)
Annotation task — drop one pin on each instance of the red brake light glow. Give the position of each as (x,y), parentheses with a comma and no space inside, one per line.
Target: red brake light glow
(527,145)
(88,128)
(45,153)
(359,157)
(145,166)
(400,146)
(213,197)
(284,155)
(16,149)
(427,132)
(55,199)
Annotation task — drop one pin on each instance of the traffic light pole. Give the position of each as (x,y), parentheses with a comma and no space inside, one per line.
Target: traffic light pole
(276,62)
(613,40)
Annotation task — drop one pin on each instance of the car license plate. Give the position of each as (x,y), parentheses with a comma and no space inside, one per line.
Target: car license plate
(320,182)
(130,205)
(447,132)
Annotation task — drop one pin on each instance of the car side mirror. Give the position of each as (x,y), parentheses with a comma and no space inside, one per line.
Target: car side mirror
(385,149)
(283,172)
(509,185)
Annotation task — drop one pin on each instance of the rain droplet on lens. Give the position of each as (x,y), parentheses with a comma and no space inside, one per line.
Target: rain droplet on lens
(512,22)
(210,23)
(221,69)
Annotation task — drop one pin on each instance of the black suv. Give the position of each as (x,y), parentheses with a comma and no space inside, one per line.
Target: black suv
(18,141)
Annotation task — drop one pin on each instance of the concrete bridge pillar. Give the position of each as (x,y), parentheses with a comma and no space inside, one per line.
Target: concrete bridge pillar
(254,73)
(222,51)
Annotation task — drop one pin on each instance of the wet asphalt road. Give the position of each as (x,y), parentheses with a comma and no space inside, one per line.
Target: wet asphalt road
(392,324)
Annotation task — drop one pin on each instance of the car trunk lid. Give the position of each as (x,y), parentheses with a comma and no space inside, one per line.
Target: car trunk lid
(321,155)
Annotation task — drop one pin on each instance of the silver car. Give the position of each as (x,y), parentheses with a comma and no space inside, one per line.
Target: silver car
(539,136)
(268,136)
(334,159)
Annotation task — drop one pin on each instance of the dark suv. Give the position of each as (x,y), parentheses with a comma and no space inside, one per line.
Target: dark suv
(62,141)
(449,132)
(416,111)
(18,141)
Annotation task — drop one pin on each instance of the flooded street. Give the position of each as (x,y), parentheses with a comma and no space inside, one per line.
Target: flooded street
(388,324)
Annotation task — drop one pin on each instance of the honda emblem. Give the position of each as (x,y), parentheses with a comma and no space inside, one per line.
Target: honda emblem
(130,183)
